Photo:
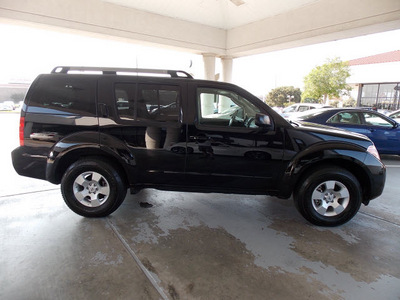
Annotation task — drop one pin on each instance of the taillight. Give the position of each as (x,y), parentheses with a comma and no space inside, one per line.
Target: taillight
(21,131)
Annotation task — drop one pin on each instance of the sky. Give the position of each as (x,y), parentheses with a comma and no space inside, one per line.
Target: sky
(29,51)
(289,67)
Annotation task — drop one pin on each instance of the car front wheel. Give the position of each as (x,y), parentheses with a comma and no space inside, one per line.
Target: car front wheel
(92,188)
(328,197)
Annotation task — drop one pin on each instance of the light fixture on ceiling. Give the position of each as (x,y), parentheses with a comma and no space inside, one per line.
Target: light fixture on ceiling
(237,2)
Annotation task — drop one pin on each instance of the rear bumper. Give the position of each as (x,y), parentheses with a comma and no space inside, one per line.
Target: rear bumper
(29,164)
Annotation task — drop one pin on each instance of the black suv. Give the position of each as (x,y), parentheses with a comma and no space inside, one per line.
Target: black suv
(98,131)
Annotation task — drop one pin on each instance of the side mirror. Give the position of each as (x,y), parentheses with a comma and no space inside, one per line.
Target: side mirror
(263,121)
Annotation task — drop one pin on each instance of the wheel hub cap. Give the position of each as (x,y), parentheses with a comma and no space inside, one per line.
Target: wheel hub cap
(330,198)
(91,189)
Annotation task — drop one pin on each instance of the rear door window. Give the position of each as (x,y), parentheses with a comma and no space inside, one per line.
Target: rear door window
(349,118)
(147,102)
(158,102)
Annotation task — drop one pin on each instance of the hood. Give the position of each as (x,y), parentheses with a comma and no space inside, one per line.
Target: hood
(328,130)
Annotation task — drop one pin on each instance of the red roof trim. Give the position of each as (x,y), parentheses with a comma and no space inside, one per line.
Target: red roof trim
(392,56)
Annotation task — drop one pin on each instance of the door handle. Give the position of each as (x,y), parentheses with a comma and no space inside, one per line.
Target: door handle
(103,110)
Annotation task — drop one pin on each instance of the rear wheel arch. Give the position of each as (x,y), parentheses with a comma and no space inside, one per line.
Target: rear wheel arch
(56,170)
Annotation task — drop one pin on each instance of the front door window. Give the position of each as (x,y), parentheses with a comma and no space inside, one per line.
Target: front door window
(225,108)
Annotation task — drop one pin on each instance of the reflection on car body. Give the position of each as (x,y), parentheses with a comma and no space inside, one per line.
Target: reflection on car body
(45,136)
(210,147)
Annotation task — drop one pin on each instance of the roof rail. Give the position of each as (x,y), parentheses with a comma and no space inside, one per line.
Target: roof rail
(114,71)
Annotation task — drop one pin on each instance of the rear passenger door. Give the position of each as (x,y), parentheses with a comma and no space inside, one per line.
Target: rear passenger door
(147,117)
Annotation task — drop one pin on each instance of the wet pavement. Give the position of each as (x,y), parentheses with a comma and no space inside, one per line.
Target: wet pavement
(192,246)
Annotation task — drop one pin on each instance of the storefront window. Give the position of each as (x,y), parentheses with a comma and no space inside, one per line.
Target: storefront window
(383,96)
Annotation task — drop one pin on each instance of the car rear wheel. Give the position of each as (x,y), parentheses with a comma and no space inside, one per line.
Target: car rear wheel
(328,197)
(92,188)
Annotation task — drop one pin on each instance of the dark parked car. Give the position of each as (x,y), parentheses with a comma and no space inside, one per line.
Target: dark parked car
(98,133)
(383,131)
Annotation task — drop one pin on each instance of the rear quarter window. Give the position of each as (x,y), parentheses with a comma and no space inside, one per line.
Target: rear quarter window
(63,94)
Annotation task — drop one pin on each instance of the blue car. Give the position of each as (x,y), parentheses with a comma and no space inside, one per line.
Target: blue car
(382,130)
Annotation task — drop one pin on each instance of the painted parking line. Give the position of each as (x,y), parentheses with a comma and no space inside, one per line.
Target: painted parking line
(392,166)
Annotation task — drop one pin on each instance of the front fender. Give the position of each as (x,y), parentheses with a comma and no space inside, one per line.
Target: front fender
(326,152)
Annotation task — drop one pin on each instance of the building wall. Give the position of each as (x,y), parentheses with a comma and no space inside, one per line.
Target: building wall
(374,84)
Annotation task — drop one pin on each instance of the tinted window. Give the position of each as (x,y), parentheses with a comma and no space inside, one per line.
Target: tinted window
(150,102)
(63,94)
(158,102)
(225,108)
(124,99)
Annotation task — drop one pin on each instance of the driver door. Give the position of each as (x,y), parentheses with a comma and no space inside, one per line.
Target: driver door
(226,150)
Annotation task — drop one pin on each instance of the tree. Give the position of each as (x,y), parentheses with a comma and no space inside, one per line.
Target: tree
(283,95)
(349,102)
(328,80)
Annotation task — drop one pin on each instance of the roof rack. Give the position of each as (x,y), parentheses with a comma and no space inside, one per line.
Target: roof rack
(114,71)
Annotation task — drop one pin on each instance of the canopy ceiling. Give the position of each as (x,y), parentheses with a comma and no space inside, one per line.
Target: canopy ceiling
(231,28)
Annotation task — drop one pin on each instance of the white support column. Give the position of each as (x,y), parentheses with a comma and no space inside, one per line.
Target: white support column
(227,64)
(209,66)
(224,103)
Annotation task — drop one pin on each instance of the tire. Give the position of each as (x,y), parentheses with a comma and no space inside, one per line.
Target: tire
(328,197)
(92,188)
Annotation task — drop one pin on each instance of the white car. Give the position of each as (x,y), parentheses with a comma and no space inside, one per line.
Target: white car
(6,106)
(395,115)
(300,107)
